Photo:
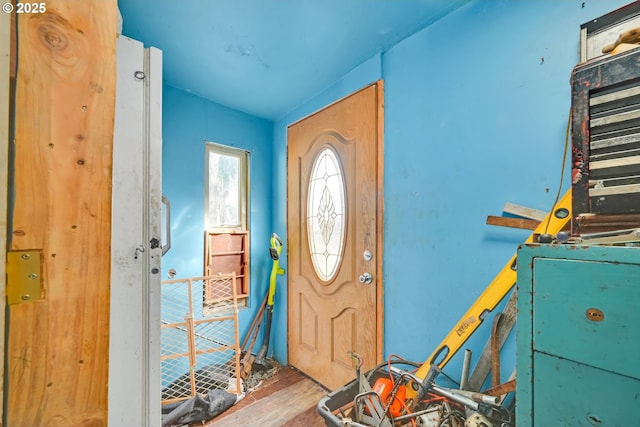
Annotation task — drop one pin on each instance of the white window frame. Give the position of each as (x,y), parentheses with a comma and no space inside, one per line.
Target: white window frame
(243,186)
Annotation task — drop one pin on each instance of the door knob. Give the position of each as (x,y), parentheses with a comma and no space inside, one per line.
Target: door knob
(366,278)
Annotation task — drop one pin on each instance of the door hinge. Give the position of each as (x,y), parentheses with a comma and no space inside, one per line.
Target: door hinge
(24,276)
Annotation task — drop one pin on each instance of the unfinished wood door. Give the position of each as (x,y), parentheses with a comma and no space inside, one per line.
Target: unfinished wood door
(334,237)
(58,337)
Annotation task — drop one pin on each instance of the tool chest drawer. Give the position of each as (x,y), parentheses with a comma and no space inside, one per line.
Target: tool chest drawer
(589,314)
(578,336)
(585,396)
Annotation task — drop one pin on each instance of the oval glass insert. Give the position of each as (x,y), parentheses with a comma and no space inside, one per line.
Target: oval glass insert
(326,214)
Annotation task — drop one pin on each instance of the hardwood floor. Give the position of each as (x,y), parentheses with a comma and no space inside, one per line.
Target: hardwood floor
(287,399)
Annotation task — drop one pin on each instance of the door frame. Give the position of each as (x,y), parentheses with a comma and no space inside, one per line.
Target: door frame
(134,347)
(379,85)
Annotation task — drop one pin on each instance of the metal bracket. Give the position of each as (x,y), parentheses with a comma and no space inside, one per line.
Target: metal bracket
(24,276)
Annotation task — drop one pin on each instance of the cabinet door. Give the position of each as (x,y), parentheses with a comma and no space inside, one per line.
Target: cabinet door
(587,312)
(568,393)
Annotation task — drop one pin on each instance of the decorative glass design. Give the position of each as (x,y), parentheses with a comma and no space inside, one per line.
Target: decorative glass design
(326,214)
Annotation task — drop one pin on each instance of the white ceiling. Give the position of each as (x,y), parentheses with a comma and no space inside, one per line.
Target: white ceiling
(265,57)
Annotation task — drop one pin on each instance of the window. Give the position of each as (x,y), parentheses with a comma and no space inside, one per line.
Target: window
(326,211)
(226,188)
(226,219)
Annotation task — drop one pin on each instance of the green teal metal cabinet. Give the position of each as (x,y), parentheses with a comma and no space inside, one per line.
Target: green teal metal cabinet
(578,336)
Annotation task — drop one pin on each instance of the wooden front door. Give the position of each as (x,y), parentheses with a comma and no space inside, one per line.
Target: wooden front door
(334,234)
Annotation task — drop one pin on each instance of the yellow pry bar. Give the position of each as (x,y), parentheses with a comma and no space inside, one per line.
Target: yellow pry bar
(493,294)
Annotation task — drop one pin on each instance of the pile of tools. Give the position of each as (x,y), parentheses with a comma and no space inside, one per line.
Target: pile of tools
(388,396)
(392,395)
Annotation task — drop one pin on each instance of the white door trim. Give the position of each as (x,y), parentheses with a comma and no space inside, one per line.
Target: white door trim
(134,348)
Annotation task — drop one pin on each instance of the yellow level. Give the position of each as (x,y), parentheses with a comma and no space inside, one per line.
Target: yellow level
(554,222)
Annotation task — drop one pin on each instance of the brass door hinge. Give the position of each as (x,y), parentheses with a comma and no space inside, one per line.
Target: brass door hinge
(24,276)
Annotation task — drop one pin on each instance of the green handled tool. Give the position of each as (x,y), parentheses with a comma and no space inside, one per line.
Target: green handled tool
(274,250)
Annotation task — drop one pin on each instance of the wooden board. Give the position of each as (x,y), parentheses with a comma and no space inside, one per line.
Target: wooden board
(58,347)
(483,366)
(524,211)
(526,224)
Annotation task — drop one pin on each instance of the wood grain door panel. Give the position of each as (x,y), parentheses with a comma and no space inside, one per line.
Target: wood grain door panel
(332,316)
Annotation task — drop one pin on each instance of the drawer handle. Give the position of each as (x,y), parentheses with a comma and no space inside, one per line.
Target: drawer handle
(595,315)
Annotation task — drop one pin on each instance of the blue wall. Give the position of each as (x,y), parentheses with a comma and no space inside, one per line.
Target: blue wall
(474,118)
(189,122)
(476,109)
